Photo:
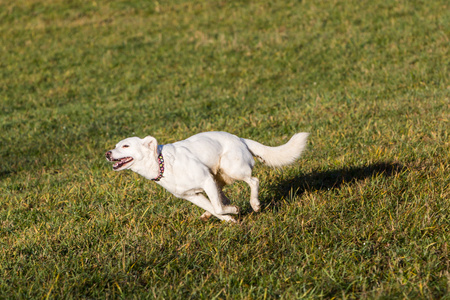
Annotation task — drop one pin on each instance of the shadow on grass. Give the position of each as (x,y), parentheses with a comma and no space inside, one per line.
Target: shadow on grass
(325,180)
(5,173)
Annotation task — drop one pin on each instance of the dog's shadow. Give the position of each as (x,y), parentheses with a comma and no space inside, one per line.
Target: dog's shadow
(286,189)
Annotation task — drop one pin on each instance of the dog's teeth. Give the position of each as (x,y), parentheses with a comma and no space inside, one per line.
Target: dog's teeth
(121,162)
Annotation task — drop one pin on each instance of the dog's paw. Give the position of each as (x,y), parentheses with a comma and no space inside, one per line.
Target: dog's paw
(205,217)
(255,206)
(238,210)
(230,219)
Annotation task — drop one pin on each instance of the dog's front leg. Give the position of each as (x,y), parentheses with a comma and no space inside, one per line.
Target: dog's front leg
(225,201)
(203,202)
(212,190)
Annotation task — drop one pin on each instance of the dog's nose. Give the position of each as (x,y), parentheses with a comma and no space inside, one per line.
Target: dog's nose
(108,154)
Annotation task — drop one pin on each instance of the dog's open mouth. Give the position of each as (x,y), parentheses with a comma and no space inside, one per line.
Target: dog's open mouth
(121,162)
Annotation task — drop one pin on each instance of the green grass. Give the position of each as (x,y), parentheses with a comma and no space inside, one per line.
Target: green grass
(365,213)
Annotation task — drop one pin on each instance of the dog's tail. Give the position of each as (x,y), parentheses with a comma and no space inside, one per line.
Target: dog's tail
(279,156)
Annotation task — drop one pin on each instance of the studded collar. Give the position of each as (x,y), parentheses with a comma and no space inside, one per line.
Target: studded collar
(161,167)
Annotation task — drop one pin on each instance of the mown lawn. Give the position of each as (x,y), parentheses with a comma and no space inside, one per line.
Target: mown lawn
(365,213)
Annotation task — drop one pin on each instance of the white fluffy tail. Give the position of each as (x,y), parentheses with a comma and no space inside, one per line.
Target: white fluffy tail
(279,156)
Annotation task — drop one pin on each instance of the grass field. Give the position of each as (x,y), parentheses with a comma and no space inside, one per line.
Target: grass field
(365,213)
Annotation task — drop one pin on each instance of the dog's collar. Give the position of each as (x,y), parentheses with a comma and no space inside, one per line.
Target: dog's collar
(161,167)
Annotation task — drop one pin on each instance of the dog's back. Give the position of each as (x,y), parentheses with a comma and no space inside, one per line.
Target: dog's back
(210,147)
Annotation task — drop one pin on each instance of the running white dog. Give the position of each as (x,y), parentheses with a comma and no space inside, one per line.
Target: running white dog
(204,163)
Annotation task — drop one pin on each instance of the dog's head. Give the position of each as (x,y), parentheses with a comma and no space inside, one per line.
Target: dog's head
(133,151)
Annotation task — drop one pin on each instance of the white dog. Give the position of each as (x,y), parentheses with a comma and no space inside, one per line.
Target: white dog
(204,163)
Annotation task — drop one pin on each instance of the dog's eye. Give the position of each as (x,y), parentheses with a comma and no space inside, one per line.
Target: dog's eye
(125,146)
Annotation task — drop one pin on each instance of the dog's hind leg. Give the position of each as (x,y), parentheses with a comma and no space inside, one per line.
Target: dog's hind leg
(241,169)
(253,182)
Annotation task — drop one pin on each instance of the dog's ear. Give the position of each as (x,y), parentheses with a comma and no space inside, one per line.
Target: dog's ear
(151,143)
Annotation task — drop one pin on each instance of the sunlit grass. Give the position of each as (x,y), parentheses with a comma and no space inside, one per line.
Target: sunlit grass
(363,214)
